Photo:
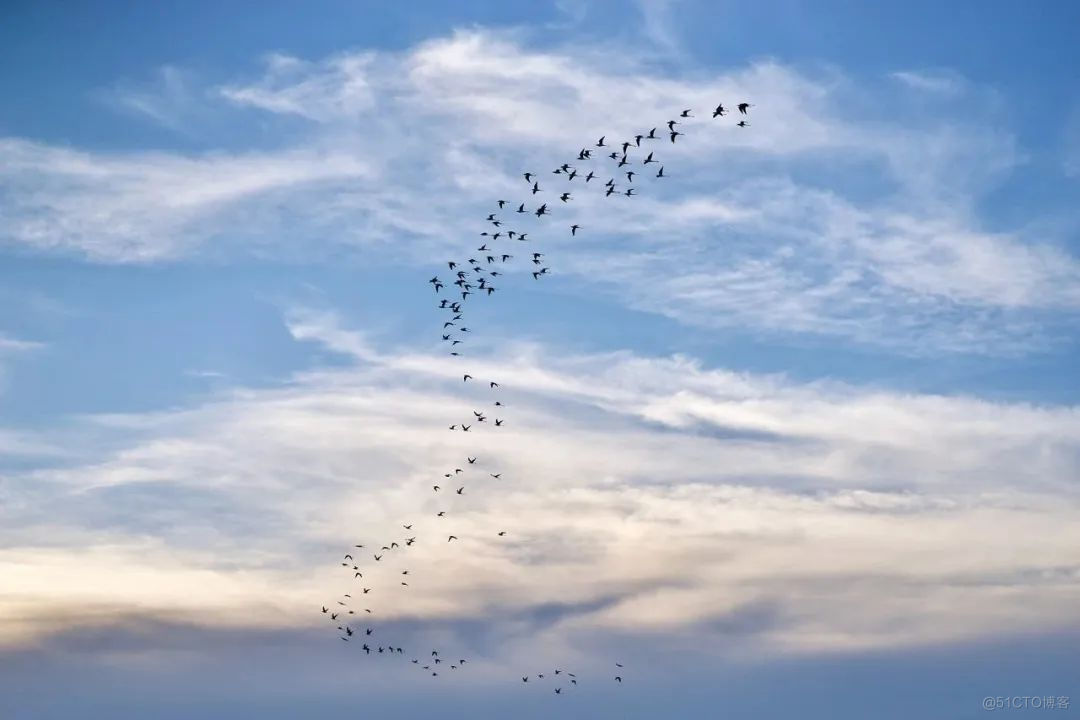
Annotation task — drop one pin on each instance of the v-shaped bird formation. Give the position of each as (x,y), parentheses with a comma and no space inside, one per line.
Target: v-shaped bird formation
(355,614)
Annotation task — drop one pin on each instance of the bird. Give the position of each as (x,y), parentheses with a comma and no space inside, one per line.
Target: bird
(528,177)
(542,210)
(494,384)
(685,113)
(574,229)
(743,106)
(600,142)
(501,533)
(471,460)
(496,475)
(498,422)
(618,678)
(441,513)
(743,123)
(719,111)
(648,159)
(565,196)
(521,208)
(466,378)
(378,558)
(461,490)
(674,134)
(661,173)
(325,609)
(452,537)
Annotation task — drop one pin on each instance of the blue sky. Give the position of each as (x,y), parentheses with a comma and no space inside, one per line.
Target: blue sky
(805,412)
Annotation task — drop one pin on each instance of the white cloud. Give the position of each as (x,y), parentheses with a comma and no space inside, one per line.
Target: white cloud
(656,494)
(939,81)
(817,219)
(336,88)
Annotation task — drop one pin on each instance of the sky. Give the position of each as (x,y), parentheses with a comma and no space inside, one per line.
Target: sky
(794,433)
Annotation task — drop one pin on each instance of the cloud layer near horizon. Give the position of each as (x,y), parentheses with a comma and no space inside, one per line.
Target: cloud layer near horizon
(643,496)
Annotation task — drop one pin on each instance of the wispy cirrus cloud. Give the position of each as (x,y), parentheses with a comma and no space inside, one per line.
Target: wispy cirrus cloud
(817,219)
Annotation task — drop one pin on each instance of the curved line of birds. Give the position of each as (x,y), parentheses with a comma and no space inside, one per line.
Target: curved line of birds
(476,278)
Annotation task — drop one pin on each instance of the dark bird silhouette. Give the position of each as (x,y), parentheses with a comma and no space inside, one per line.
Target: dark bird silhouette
(452,537)
(574,229)
(471,460)
(719,111)
(565,196)
(528,177)
(501,203)
(651,135)
(590,176)
(502,533)
(629,192)
(466,378)
(461,490)
(498,422)
(542,210)
(685,113)
(521,208)
(630,175)
(536,188)
(600,142)
(743,123)
(648,159)
(325,609)
(661,173)
(618,678)
(495,475)
(378,558)
(743,106)
(493,384)
(674,134)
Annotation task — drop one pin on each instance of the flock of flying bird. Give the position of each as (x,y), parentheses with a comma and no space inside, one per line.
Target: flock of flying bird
(478,279)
